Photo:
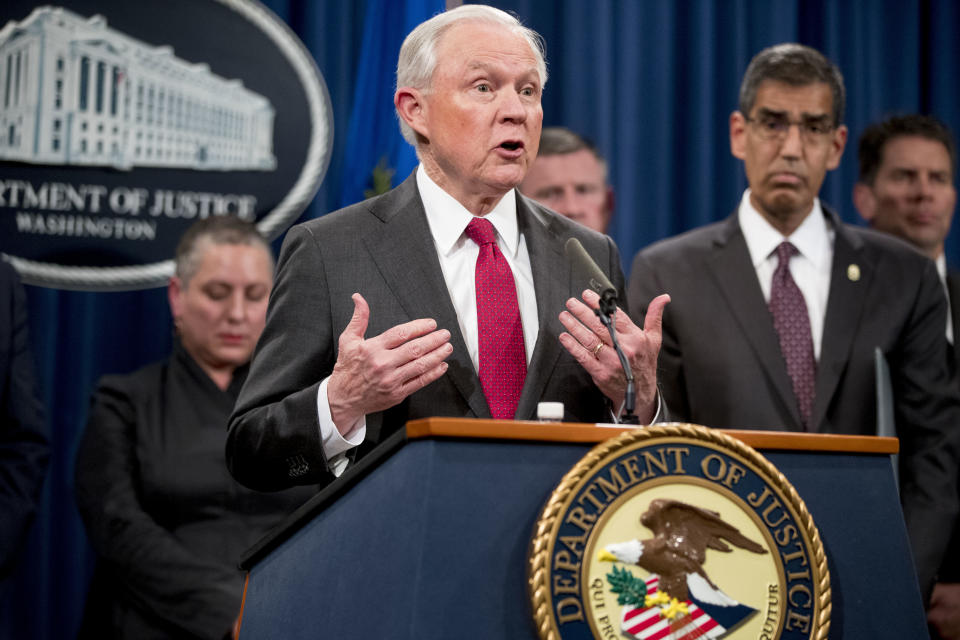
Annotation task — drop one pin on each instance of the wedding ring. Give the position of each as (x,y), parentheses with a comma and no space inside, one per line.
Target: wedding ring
(596,350)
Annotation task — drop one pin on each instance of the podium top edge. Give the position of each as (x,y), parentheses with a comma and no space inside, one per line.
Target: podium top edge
(591,433)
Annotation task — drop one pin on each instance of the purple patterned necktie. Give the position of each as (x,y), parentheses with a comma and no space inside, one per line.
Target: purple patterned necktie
(503,360)
(792,323)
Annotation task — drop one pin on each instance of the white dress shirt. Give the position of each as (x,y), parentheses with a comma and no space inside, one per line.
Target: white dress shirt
(941,262)
(448,220)
(810,268)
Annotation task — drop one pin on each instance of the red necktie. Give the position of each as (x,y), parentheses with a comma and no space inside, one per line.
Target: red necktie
(503,361)
(792,323)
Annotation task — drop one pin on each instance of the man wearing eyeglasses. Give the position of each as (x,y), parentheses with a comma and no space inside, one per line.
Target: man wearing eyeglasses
(777,310)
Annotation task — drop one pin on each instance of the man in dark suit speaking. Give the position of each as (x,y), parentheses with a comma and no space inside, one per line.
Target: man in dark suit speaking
(444,296)
(777,310)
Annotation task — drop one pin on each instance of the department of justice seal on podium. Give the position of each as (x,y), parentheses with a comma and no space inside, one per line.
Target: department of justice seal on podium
(676,532)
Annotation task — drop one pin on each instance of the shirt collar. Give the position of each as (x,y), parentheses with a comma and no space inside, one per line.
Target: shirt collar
(941,262)
(448,219)
(812,238)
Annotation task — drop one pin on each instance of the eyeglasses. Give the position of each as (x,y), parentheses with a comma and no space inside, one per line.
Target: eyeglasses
(772,127)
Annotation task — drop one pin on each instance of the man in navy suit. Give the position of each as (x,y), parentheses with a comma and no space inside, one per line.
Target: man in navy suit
(374,318)
(24,449)
(731,357)
(906,188)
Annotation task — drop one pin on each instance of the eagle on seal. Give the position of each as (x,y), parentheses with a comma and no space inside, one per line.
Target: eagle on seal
(676,553)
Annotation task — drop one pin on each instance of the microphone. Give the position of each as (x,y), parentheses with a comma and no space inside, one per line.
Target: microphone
(585,270)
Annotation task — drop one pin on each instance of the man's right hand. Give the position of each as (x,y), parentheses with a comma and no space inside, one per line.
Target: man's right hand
(376,374)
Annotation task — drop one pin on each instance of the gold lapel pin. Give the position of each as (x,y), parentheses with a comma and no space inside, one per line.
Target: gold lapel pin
(853,272)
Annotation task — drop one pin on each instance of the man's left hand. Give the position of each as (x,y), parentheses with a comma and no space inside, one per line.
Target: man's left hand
(944,611)
(588,340)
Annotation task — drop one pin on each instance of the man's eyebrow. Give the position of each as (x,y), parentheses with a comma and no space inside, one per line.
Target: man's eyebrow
(764,112)
(487,67)
(549,190)
(477,64)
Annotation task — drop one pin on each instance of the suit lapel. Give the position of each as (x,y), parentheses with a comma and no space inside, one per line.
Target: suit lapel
(552,290)
(404,252)
(732,270)
(850,278)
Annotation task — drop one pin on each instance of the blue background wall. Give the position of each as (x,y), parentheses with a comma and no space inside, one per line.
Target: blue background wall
(653,82)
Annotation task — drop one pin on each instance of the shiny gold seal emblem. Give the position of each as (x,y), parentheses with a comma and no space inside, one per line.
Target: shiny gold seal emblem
(676,532)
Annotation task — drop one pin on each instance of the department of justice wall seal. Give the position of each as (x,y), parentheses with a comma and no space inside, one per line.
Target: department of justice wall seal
(675,532)
(123,123)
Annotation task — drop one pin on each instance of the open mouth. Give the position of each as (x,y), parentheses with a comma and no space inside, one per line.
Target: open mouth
(511,145)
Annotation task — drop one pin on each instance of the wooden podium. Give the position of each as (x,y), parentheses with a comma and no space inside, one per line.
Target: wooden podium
(427,537)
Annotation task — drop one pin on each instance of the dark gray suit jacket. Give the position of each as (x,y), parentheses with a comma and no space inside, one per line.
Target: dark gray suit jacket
(24,445)
(721,366)
(383,249)
(953,286)
(950,569)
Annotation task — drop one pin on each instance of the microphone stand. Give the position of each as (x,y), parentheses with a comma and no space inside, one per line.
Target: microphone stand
(606,313)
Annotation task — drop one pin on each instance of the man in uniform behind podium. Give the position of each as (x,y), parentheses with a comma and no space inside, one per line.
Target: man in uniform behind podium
(777,310)
(376,317)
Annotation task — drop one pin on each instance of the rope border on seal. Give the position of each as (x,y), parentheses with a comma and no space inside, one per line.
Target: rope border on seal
(538,560)
(272,223)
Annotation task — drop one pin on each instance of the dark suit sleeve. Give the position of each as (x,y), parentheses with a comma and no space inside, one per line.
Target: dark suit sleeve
(274,438)
(644,286)
(950,568)
(928,424)
(24,448)
(148,565)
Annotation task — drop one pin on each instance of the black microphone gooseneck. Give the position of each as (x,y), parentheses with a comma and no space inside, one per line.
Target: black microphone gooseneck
(586,270)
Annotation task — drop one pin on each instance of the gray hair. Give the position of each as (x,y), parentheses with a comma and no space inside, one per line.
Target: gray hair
(418,55)
(215,230)
(796,65)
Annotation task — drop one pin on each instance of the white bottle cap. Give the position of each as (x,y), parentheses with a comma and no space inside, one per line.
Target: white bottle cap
(550,411)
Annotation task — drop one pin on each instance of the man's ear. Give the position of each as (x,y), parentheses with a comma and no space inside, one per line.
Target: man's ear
(609,206)
(738,135)
(864,201)
(837,143)
(175,297)
(411,108)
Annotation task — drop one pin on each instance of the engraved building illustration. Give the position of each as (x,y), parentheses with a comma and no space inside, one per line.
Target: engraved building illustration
(75,92)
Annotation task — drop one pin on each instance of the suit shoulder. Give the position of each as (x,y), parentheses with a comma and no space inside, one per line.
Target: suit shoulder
(8,275)
(137,383)
(563,226)
(685,244)
(335,220)
(349,220)
(889,246)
